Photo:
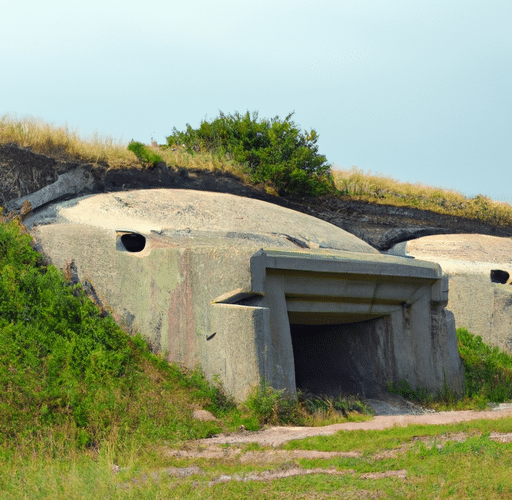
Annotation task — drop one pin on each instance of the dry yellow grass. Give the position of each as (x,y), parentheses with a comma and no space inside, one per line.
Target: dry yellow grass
(65,144)
(366,186)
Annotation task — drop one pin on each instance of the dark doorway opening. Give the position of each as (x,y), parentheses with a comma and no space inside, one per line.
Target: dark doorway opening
(341,360)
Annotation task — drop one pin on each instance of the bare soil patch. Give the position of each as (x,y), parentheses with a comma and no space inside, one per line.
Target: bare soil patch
(276,436)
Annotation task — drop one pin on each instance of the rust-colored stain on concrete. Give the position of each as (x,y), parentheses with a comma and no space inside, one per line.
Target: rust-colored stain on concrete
(180,317)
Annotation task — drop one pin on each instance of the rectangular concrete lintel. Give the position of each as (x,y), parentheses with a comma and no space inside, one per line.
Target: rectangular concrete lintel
(348,263)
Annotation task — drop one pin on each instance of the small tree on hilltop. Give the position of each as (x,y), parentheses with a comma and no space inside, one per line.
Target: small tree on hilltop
(272,150)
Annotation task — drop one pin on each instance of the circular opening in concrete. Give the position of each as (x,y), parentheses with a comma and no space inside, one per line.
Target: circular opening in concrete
(133,242)
(499,276)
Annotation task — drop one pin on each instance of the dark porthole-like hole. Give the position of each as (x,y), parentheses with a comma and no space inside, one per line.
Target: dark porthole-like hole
(133,242)
(499,276)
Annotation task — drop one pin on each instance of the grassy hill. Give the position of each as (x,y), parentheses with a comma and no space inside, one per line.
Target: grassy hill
(79,397)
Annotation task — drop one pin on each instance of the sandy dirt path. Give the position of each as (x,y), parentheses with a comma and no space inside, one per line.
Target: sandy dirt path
(276,436)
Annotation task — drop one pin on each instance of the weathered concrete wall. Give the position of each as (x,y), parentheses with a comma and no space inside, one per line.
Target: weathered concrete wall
(277,297)
(482,306)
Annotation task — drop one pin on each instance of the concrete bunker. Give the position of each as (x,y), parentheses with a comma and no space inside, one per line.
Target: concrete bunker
(350,323)
(254,292)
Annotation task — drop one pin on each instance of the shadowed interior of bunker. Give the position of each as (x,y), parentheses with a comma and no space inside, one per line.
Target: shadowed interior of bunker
(339,359)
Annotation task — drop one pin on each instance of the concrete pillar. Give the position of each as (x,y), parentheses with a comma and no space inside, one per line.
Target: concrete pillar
(280,370)
(422,344)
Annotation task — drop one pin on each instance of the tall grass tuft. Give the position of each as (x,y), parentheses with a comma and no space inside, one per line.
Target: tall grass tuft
(65,144)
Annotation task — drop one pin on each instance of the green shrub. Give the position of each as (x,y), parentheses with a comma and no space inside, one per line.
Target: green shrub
(273,406)
(273,150)
(488,370)
(144,155)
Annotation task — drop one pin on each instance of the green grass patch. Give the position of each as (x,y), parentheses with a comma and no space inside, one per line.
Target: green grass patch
(434,468)
(371,441)
(274,407)
(488,369)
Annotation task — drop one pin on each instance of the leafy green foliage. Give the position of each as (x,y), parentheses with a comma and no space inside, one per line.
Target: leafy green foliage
(488,370)
(144,155)
(66,368)
(271,150)
(275,407)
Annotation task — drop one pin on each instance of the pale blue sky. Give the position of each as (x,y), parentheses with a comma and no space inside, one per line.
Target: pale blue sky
(419,91)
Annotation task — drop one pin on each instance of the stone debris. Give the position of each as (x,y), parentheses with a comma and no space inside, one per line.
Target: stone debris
(180,472)
(501,406)
(501,437)
(204,416)
(396,405)
(259,456)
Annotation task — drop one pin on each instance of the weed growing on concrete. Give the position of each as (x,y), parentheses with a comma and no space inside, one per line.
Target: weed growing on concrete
(275,407)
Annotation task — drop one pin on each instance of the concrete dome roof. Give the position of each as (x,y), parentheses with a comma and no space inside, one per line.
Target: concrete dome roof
(219,215)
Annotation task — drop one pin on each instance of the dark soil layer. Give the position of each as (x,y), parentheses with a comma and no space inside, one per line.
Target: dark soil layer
(23,172)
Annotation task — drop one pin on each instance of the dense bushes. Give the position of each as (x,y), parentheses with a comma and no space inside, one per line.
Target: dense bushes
(488,370)
(270,150)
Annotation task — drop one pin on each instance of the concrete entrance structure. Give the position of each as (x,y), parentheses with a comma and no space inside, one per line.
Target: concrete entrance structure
(250,291)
